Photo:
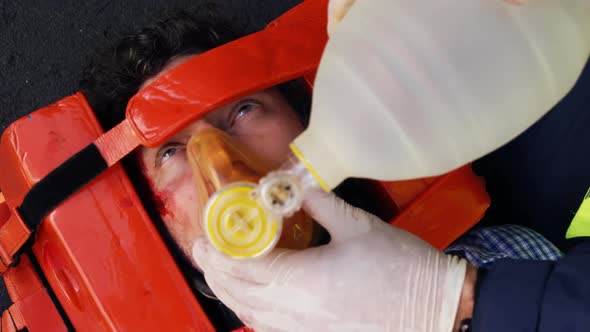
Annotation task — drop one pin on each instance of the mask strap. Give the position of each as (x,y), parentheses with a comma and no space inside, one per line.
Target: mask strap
(117,142)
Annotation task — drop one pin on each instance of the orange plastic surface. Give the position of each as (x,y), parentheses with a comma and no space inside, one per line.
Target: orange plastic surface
(7,324)
(13,234)
(100,251)
(32,306)
(4,211)
(403,193)
(288,48)
(440,209)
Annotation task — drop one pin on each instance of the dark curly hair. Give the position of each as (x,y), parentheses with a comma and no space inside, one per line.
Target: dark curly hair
(116,73)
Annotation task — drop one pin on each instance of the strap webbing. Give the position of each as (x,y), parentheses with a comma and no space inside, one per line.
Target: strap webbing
(117,142)
(58,185)
(76,172)
(64,181)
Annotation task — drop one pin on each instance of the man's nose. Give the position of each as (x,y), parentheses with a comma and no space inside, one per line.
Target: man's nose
(217,159)
(200,126)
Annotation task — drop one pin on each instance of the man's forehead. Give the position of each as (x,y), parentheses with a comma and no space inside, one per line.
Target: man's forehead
(202,83)
(171,64)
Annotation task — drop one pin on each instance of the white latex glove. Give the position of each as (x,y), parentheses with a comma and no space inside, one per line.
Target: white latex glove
(370,277)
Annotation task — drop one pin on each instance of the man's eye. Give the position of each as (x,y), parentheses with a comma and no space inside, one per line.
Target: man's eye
(167,152)
(245,109)
(241,112)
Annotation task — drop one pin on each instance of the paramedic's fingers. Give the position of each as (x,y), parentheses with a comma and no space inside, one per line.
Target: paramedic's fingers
(341,219)
(243,307)
(337,9)
(402,282)
(236,293)
(370,238)
(247,301)
(240,295)
(261,270)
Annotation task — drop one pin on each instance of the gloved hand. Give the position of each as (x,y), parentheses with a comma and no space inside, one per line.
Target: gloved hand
(370,277)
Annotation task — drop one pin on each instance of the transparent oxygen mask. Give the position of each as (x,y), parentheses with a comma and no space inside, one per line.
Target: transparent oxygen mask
(226,174)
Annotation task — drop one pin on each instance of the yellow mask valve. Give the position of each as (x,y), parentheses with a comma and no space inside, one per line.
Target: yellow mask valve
(237,225)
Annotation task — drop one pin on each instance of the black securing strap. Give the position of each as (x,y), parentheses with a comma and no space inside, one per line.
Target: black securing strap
(60,184)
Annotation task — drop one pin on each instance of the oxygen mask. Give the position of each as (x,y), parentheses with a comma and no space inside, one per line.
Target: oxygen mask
(226,174)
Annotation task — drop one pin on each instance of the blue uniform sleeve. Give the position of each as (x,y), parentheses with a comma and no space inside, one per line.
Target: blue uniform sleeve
(539,179)
(519,295)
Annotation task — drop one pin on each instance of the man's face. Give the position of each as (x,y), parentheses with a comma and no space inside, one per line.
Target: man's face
(262,122)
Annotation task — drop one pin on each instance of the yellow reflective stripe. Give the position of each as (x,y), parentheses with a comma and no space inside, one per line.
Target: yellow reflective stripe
(580,225)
